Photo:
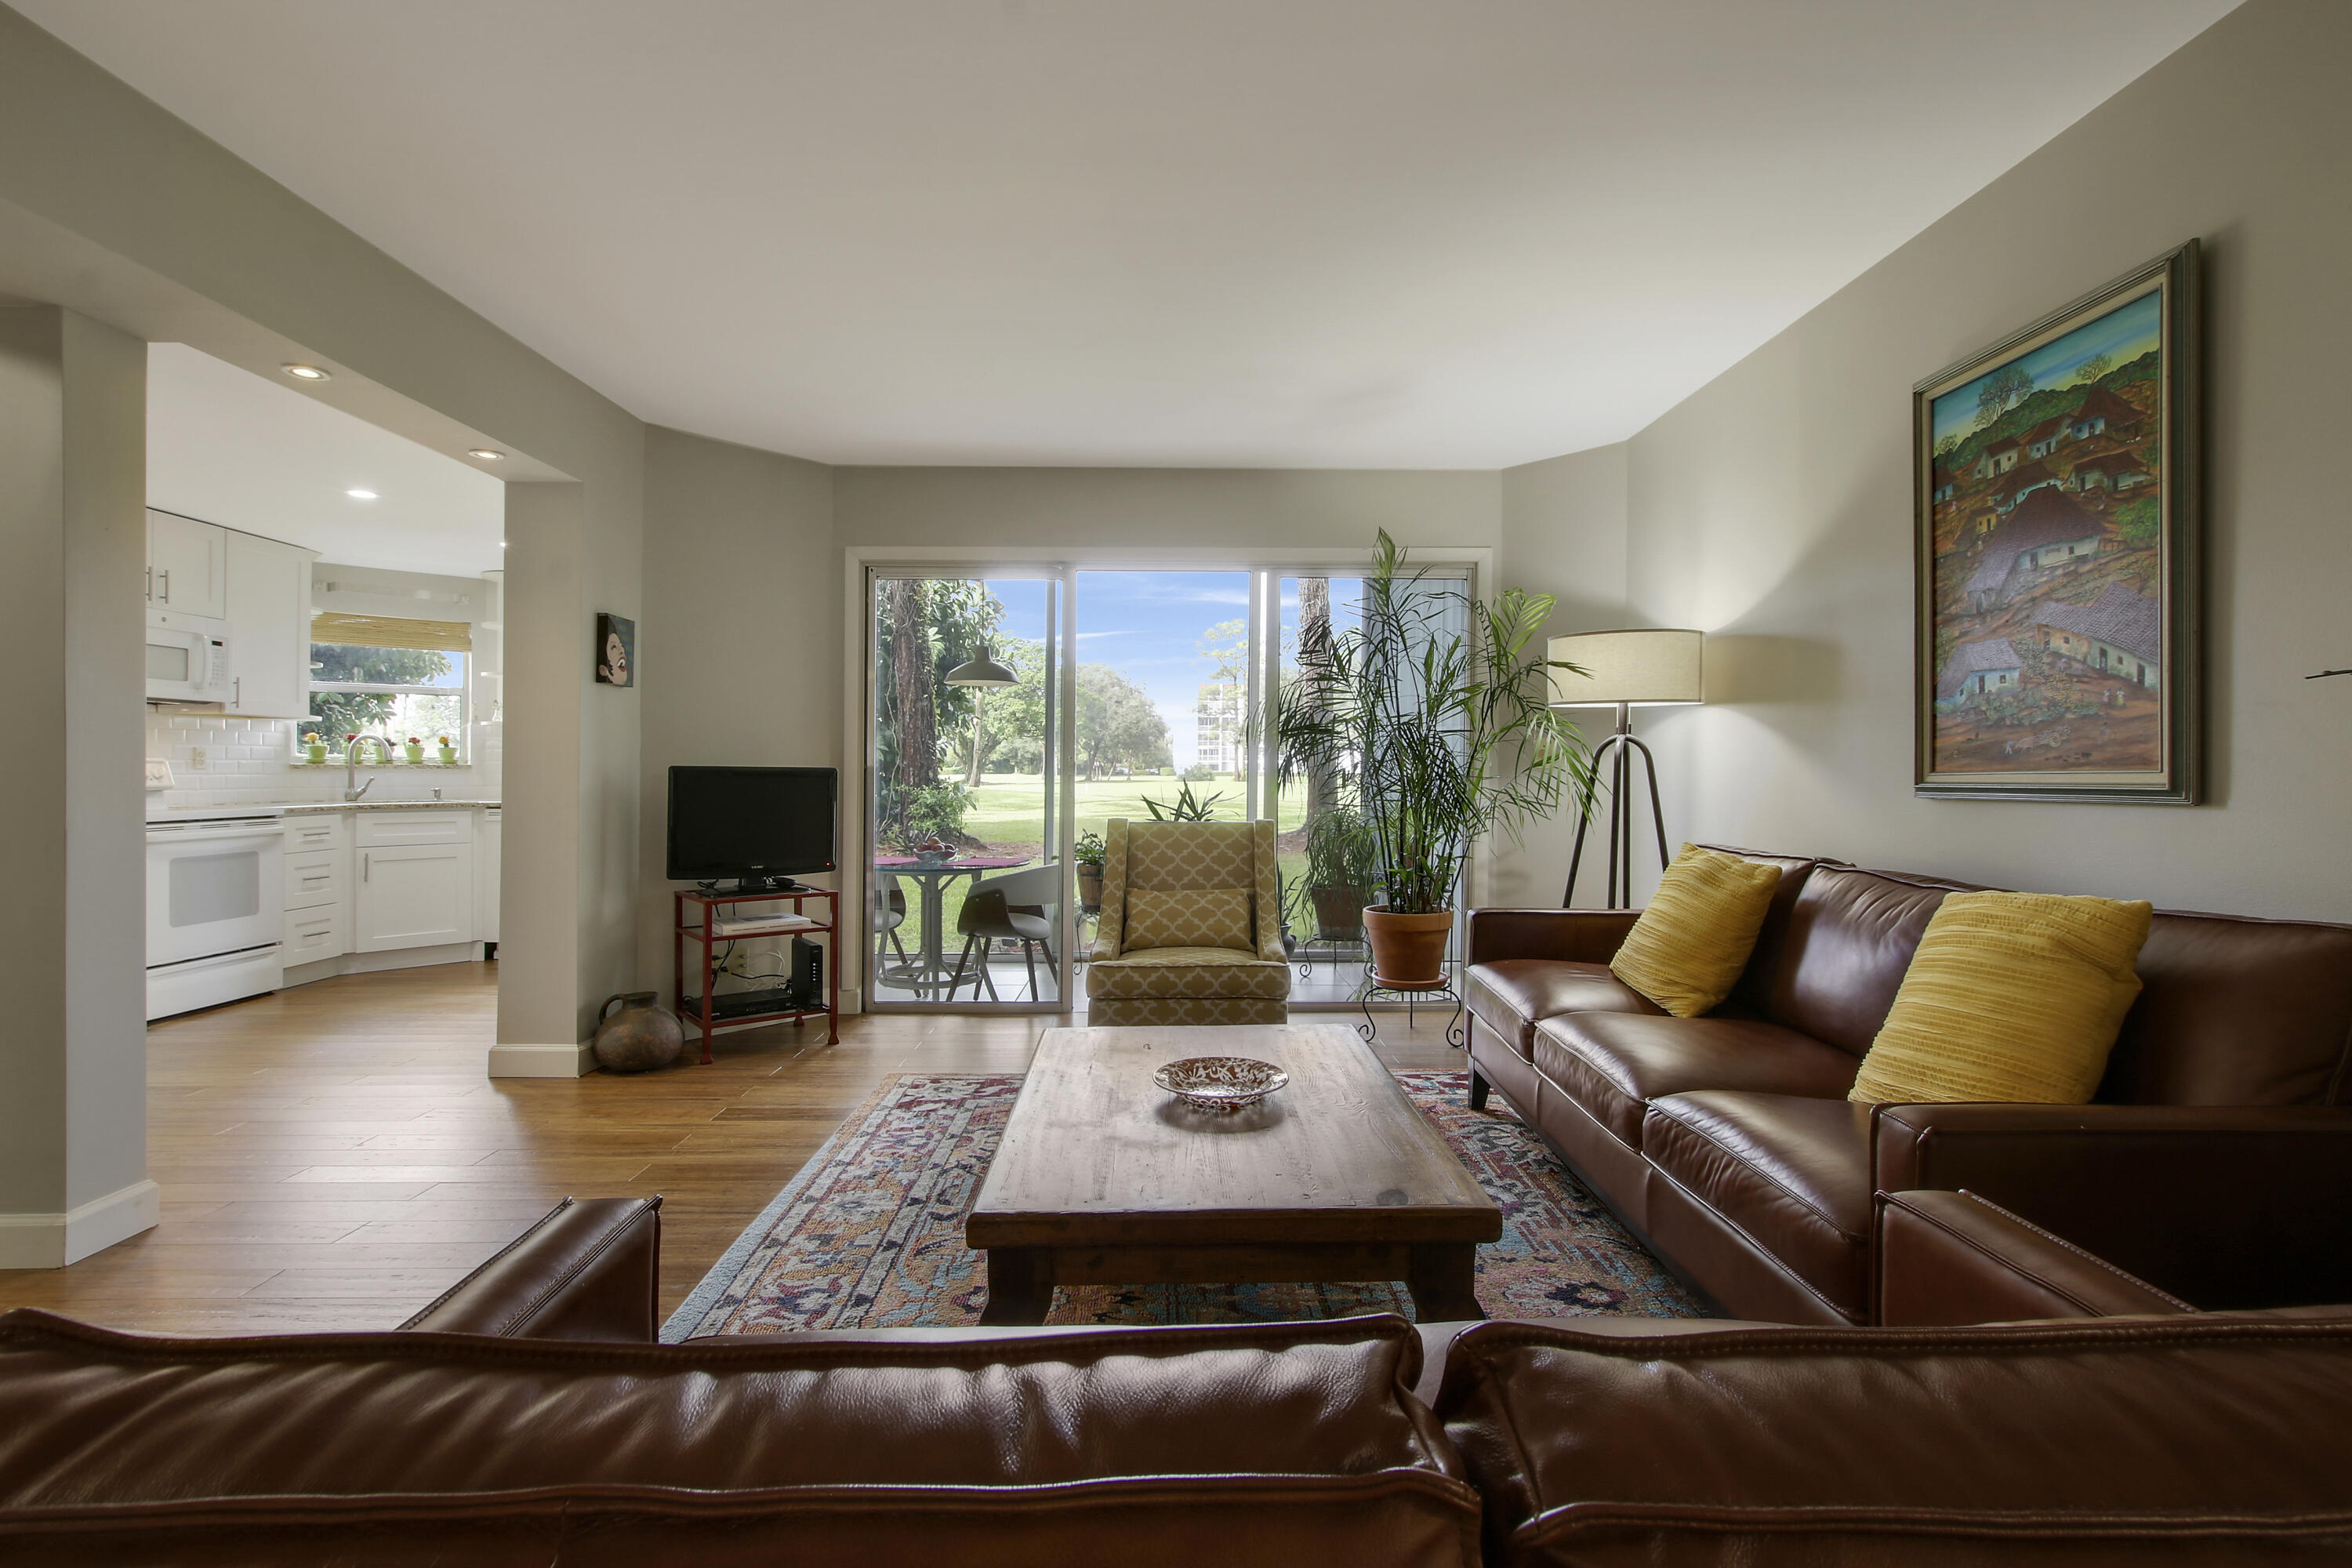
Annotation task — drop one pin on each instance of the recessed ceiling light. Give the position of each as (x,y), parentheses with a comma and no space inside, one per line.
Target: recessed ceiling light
(305,373)
(360,495)
(502,544)
(485,454)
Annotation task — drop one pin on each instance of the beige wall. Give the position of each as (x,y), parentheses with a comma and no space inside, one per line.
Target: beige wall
(113,207)
(1774,508)
(1563,533)
(1128,508)
(740,649)
(73,1151)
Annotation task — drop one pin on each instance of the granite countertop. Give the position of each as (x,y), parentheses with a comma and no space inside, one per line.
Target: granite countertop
(312,807)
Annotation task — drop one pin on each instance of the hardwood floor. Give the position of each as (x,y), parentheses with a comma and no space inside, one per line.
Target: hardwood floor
(332,1157)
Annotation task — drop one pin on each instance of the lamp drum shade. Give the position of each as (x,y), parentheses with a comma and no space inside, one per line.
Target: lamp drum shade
(1650,664)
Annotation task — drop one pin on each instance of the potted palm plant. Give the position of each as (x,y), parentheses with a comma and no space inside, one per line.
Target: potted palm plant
(1429,718)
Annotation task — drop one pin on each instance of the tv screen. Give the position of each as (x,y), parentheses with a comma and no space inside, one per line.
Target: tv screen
(751,822)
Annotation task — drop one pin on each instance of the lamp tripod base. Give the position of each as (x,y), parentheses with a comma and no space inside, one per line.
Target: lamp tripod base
(1618,752)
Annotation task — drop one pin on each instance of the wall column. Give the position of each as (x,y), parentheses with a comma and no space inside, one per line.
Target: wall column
(73,1053)
(545,648)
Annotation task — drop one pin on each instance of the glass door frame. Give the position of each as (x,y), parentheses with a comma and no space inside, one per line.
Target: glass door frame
(1061,678)
(1268,566)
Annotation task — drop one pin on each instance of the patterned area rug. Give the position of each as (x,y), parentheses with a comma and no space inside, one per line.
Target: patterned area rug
(870,1233)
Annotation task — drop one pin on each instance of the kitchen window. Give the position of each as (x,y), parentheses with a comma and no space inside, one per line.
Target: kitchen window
(388,674)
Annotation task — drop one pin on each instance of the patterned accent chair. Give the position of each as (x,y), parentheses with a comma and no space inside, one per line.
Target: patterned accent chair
(1134,975)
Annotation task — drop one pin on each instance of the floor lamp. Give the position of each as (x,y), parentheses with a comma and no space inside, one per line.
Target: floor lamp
(1625,670)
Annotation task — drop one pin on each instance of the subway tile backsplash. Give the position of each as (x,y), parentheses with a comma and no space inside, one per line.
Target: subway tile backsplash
(249,761)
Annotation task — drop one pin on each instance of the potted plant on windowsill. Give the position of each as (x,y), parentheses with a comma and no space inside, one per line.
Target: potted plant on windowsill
(1429,718)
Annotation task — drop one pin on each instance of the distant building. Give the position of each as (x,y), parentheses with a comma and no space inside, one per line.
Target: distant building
(2000,456)
(2103,413)
(2112,471)
(2046,529)
(1979,669)
(2119,633)
(2023,482)
(1217,715)
(2043,438)
(1946,483)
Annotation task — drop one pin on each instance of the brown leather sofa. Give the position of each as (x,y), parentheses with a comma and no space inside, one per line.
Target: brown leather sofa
(1726,1141)
(500,1433)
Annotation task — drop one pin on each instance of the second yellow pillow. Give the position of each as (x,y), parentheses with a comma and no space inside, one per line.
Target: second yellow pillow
(2010,997)
(1686,950)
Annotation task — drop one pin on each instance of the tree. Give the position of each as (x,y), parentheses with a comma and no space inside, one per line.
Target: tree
(1117,723)
(2092,368)
(2001,388)
(1227,645)
(1315,632)
(1015,743)
(341,713)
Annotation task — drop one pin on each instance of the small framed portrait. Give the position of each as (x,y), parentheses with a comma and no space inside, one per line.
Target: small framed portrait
(616,650)
(2058,554)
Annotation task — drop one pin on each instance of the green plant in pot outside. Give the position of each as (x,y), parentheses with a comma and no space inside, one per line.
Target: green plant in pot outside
(1435,736)
(1087,856)
(1343,868)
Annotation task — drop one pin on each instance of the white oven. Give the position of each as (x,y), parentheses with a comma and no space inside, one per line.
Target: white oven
(216,910)
(187,658)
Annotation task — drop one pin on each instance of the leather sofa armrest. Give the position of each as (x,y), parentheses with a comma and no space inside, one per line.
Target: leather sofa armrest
(1947,1258)
(590,1271)
(1574,936)
(2228,1206)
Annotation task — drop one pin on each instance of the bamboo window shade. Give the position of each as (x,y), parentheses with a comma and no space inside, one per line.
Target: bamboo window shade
(340,630)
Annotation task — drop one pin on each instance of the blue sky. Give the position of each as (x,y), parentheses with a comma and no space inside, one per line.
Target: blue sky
(2123,334)
(1148,626)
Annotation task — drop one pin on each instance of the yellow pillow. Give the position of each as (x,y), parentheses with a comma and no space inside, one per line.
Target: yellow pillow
(2011,996)
(1197,917)
(1686,950)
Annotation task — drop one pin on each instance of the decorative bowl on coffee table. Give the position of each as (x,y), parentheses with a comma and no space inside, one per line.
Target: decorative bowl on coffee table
(1220,1083)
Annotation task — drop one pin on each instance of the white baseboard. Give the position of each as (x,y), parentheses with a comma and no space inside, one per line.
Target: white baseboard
(53,1240)
(376,963)
(542,1061)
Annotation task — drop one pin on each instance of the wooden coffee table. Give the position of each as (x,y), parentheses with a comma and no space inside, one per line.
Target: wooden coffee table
(1104,1178)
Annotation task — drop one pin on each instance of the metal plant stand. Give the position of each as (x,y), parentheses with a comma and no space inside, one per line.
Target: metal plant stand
(1413,995)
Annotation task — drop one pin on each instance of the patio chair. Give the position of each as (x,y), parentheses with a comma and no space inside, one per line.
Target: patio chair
(1019,906)
(1162,957)
(890,913)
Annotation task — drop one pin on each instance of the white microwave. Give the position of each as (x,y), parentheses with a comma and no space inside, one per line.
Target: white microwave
(187,658)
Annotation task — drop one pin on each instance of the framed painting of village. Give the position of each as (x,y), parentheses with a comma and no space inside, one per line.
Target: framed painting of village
(2058,552)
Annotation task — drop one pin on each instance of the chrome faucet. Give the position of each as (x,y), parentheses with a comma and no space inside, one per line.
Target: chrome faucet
(351,769)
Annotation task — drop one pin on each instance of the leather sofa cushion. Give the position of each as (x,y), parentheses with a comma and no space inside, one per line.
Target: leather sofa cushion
(1850,939)
(1792,1173)
(1514,994)
(2237,1012)
(1258,1444)
(1613,1064)
(2177,1441)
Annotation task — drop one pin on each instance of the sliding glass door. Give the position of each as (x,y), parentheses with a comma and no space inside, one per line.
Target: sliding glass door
(965,880)
(1013,712)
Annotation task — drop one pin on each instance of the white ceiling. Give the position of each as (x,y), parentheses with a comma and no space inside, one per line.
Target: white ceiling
(231,447)
(1379,232)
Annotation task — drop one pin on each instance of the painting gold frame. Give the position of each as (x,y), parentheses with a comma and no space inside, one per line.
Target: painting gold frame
(2049,667)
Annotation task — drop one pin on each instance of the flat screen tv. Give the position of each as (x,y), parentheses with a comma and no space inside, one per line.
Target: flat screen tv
(753,824)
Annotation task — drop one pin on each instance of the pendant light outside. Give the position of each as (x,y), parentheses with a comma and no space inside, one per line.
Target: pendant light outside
(981,672)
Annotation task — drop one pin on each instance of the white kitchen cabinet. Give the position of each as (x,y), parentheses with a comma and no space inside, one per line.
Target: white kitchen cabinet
(187,565)
(413,894)
(415,885)
(487,848)
(269,626)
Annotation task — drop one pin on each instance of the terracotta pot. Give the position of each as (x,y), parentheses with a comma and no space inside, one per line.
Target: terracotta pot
(1338,912)
(641,1036)
(1407,950)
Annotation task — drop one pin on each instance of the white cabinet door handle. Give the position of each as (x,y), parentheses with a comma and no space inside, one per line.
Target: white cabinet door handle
(166,575)
(366,865)
(236,692)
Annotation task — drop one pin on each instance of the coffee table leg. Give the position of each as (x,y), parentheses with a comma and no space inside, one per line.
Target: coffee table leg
(1020,1287)
(1443,1279)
